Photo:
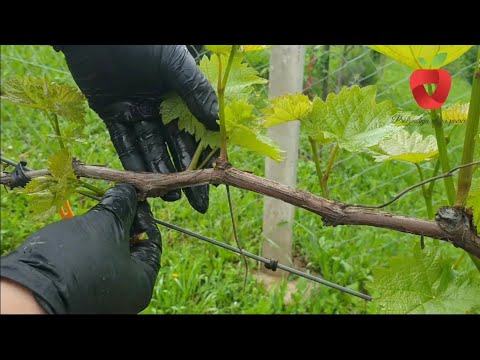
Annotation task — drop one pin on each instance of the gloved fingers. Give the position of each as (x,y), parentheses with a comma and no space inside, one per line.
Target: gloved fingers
(191,84)
(151,142)
(145,255)
(182,147)
(120,200)
(127,111)
(139,143)
(148,251)
(124,141)
(196,51)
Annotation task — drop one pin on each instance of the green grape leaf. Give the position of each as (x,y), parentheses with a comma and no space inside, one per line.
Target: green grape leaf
(39,184)
(287,108)
(71,133)
(241,79)
(175,108)
(240,113)
(456,114)
(41,205)
(42,198)
(261,144)
(240,84)
(60,165)
(434,56)
(39,93)
(311,123)
(403,146)
(352,119)
(424,283)
(474,310)
(50,193)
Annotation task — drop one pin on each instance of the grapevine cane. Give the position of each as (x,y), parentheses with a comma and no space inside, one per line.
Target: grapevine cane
(269,263)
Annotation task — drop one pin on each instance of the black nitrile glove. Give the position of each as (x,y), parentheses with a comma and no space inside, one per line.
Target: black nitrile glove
(125,84)
(86,264)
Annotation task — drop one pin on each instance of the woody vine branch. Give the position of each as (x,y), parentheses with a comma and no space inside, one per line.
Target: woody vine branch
(453,225)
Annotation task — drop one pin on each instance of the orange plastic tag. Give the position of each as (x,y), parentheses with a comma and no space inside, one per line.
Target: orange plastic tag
(68,213)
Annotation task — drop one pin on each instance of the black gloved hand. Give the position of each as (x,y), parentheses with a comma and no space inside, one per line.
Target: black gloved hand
(86,264)
(125,84)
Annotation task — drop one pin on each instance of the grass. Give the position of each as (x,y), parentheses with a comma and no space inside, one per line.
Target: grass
(197,277)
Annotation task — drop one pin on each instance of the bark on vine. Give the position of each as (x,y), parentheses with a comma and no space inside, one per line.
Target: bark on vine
(453,225)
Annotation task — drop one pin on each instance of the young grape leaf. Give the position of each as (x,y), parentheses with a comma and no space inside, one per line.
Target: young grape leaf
(41,205)
(240,84)
(241,79)
(175,108)
(403,146)
(42,198)
(50,193)
(311,123)
(71,133)
(60,165)
(352,119)
(39,93)
(39,184)
(424,283)
(456,114)
(434,56)
(247,138)
(240,113)
(287,108)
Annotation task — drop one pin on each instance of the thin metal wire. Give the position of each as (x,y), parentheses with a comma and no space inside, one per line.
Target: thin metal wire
(264,260)
(407,190)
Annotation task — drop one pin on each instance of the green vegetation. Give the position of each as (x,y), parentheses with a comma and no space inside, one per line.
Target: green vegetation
(199,278)
(425,283)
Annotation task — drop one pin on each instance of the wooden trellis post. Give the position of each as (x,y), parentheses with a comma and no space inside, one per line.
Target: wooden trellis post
(286,76)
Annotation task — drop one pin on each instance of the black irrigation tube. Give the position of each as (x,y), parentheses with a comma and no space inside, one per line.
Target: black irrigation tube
(269,263)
